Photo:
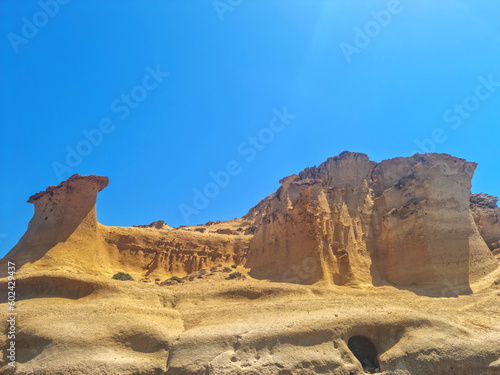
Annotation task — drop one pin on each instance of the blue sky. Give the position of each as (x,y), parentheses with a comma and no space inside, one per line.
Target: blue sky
(261,89)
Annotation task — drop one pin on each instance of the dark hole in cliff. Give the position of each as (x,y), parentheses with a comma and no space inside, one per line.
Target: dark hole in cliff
(364,350)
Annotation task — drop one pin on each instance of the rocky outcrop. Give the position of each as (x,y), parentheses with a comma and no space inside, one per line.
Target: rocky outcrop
(423,232)
(486,214)
(350,221)
(63,209)
(405,221)
(64,217)
(161,253)
(155,224)
(316,225)
(64,235)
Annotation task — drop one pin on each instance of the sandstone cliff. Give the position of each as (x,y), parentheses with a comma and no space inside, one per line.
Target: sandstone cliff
(64,235)
(350,221)
(424,233)
(315,226)
(360,251)
(64,229)
(405,221)
(487,217)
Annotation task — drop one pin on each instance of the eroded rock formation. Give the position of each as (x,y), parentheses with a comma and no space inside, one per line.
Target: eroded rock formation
(315,226)
(487,217)
(350,221)
(370,241)
(64,218)
(64,234)
(405,221)
(423,232)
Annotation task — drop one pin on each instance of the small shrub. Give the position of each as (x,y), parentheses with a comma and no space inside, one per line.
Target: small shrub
(227,269)
(175,278)
(122,276)
(234,275)
(233,266)
(252,228)
(239,229)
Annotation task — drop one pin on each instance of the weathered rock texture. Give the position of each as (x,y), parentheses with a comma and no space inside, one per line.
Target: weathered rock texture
(423,231)
(65,235)
(405,221)
(358,249)
(64,219)
(487,217)
(315,226)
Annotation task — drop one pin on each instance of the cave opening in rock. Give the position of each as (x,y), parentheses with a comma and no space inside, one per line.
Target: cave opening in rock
(366,353)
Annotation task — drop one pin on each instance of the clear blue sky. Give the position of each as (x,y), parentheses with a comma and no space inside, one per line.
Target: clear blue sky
(366,76)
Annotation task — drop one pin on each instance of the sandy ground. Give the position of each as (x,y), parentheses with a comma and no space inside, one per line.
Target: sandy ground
(80,324)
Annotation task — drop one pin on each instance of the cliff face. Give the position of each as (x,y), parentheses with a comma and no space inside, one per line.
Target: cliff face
(350,221)
(423,232)
(64,217)
(486,214)
(405,221)
(316,226)
(64,235)
(170,251)
(409,223)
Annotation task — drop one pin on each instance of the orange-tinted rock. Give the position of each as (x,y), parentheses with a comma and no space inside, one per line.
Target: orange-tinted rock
(349,221)
(405,221)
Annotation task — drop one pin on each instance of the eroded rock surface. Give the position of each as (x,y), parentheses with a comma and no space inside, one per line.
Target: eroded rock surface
(315,227)
(423,231)
(358,249)
(405,221)
(486,214)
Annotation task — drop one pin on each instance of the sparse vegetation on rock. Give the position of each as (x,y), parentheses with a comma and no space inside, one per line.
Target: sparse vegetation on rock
(176,278)
(122,276)
(234,275)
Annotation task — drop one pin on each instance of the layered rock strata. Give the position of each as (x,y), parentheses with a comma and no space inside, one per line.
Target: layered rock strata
(408,222)
(405,221)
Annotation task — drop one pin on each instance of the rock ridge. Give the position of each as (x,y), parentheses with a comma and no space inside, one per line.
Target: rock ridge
(410,222)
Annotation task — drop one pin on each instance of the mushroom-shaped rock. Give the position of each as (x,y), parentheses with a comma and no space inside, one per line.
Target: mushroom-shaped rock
(64,214)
